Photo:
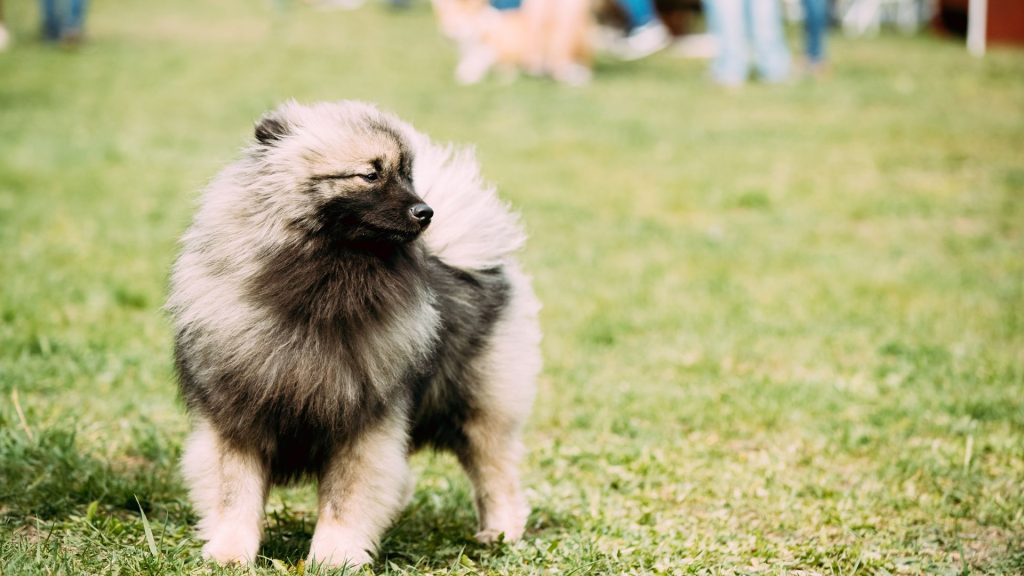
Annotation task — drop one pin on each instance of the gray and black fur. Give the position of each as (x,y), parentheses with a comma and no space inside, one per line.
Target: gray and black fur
(321,324)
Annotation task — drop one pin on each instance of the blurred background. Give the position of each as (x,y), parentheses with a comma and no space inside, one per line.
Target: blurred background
(780,248)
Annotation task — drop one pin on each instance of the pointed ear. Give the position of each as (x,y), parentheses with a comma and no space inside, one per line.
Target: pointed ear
(271,128)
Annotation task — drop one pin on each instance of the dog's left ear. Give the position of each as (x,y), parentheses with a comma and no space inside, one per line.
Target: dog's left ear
(271,128)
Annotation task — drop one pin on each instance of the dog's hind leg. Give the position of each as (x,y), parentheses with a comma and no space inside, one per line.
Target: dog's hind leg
(502,401)
(491,460)
(228,490)
(362,489)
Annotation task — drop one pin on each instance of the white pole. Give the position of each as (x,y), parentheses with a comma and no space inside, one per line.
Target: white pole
(977,15)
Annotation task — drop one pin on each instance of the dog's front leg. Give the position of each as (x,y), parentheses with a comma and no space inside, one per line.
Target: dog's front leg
(228,488)
(362,490)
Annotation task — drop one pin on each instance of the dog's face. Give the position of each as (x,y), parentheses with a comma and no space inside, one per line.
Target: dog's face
(340,170)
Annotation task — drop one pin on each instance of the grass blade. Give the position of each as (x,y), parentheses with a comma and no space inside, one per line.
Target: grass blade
(149,530)
(21,414)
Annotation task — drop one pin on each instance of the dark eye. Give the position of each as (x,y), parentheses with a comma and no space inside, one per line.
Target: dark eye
(371,177)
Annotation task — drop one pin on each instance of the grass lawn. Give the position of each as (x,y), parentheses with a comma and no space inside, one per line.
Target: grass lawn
(784,327)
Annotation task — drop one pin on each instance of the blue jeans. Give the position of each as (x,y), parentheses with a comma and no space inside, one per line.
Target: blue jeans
(506,4)
(640,12)
(815,24)
(59,18)
(742,27)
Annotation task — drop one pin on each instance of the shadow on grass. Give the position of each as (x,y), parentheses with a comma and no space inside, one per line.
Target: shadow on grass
(287,535)
(434,532)
(437,530)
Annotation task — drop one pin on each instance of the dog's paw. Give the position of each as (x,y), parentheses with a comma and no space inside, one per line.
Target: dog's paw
(232,547)
(335,550)
(339,556)
(489,536)
(492,535)
(505,521)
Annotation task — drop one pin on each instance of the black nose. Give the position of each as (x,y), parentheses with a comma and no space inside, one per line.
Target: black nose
(422,213)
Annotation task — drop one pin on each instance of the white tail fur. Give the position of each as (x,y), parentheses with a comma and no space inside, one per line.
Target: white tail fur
(472,227)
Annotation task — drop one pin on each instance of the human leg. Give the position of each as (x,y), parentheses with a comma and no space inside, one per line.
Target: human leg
(74,24)
(728,21)
(5,36)
(647,34)
(815,23)
(76,14)
(639,12)
(51,19)
(769,42)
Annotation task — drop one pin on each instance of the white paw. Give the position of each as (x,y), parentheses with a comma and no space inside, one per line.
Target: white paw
(490,536)
(230,546)
(340,557)
(506,525)
(508,531)
(337,551)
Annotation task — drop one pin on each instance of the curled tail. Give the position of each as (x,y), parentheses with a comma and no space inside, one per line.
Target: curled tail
(472,228)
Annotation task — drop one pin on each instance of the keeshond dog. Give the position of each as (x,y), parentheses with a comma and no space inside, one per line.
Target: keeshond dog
(347,294)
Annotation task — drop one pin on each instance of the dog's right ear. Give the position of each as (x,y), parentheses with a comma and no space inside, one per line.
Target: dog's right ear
(271,128)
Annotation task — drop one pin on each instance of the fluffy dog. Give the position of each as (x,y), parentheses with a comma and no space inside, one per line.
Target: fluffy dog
(323,329)
(543,37)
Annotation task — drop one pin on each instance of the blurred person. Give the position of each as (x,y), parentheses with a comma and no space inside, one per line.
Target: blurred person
(742,27)
(815,27)
(63,20)
(646,34)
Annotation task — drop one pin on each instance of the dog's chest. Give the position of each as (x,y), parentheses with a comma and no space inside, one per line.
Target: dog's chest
(342,364)
(324,386)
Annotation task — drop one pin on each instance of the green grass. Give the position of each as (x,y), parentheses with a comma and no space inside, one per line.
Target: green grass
(784,327)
